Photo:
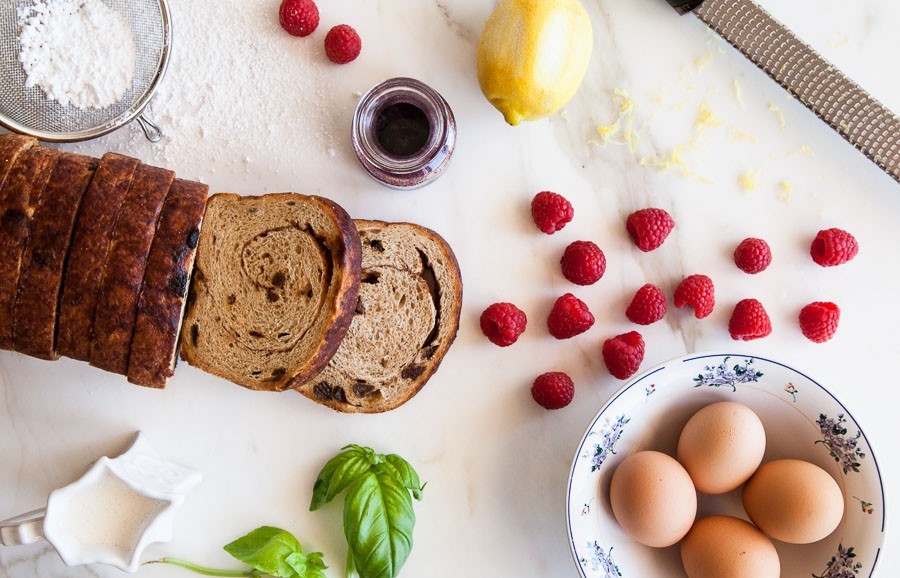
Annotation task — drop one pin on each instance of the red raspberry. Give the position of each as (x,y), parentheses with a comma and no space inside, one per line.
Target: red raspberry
(569,317)
(749,321)
(503,323)
(299,17)
(697,291)
(649,228)
(342,44)
(583,263)
(819,321)
(752,256)
(648,305)
(623,354)
(553,390)
(551,211)
(833,247)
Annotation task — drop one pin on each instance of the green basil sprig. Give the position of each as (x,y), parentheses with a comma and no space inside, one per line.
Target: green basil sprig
(269,552)
(378,510)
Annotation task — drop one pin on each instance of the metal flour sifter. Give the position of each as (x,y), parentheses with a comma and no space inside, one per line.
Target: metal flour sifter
(28,111)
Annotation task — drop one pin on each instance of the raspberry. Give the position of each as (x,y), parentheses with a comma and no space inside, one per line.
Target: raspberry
(551,211)
(583,263)
(569,317)
(819,321)
(833,247)
(698,292)
(342,44)
(503,323)
(553,390)
(752,256)
(299,17)
(749,321)
(649,228)
(623,354)
(648,305)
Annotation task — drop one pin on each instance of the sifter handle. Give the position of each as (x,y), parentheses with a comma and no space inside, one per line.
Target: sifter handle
(22,530)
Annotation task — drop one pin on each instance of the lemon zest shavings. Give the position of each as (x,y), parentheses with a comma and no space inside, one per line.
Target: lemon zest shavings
(785,192)
(840,39)
(778,112)
(749,181)
(703,62)
(738,93)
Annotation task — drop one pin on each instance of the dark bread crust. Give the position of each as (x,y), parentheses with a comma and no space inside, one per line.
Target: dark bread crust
(87,258)
(161,303)
(348,253)
(34,321)
(11,146)
(19,198)
(342,252)
(344,391)
(125,266)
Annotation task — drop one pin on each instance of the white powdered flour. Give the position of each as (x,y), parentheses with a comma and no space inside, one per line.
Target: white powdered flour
(79,52)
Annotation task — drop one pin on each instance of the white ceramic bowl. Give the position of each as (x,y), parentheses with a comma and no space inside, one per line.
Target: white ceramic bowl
(803,420)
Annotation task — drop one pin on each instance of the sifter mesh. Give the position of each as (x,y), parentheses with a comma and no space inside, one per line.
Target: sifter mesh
(29,111)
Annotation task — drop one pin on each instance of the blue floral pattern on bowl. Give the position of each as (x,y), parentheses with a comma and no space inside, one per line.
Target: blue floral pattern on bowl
(814,426)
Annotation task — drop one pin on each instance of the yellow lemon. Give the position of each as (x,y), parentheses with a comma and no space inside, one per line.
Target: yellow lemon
(533,55)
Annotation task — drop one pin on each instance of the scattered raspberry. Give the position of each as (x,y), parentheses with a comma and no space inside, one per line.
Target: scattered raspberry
(503,323)
(819,321)
(551,211)
(299,17)
(752,256)
(342,44)
(833,247)
(649,228)
(569,317)
(697,291)
(553,390)
(749,321)
(648,305)
(583,263)
(623,354)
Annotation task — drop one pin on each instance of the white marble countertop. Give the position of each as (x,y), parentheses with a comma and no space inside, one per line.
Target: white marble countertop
(255,111)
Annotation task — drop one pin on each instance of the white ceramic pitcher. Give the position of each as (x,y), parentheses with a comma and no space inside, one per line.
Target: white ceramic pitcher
(118,508)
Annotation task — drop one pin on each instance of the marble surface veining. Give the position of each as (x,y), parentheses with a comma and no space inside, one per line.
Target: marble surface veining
(262,112)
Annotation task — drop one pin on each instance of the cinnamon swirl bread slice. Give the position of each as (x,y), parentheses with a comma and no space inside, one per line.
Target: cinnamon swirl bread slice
(407,316)
(274,289)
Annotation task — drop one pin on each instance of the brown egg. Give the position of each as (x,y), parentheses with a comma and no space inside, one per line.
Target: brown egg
(653,499)
(721,446)
(726,547)
(794,501)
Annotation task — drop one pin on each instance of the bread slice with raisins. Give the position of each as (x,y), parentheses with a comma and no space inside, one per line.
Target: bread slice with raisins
(274,289)
(407,316)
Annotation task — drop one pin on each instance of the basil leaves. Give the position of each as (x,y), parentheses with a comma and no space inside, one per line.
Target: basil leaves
(269,552)
(378,509)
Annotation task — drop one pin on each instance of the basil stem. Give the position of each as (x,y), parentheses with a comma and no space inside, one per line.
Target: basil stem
(204,570)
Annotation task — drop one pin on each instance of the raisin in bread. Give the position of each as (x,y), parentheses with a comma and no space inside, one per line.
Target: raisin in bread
(406,318)
(274,289)
(161,305)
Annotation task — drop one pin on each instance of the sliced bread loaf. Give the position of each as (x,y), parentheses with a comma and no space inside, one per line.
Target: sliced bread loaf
(274,289)
(20,196)
(407,316)
(37,303)
(124,270)
(161,305)
(11,146)
(90,246)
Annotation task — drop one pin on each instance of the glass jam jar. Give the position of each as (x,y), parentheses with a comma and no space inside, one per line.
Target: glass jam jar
(403,133)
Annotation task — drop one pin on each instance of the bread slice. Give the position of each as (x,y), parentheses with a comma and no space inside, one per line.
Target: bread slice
(37,303)
(274,289)
(11,146)
(19,198)
(125,266)
(406,319)
(161,305)
(87,257)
